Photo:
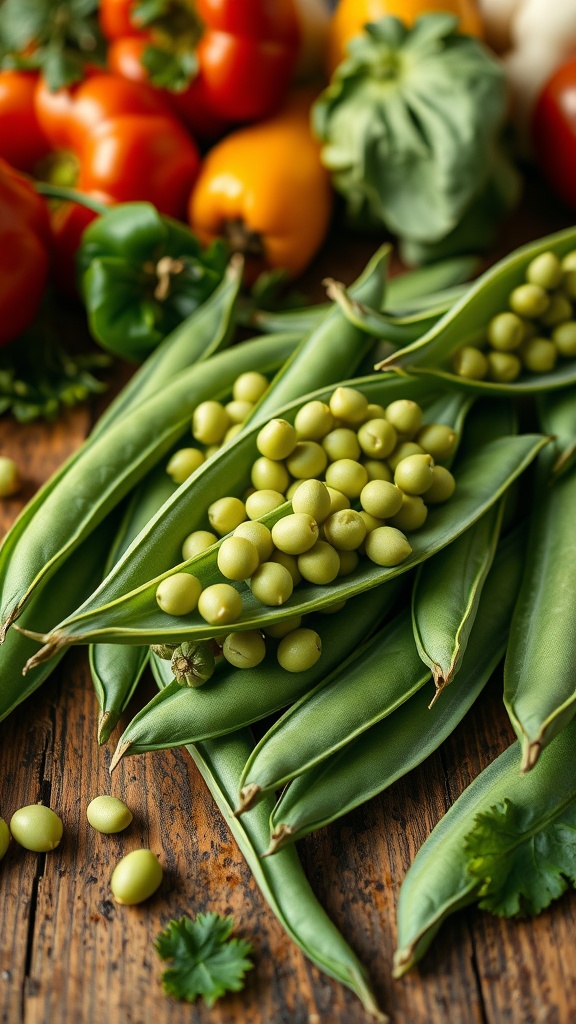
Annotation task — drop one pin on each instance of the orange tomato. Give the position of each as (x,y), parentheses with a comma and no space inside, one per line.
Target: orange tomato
(351,16)
(264,189)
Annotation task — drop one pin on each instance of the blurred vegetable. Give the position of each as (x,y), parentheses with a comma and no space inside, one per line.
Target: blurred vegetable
(416,154)
(223,60)
(554,131)
(535,37)
(22,141)
(264,189)
(24,243)
(141,274)
(351,16)
(314,21)
(56,36)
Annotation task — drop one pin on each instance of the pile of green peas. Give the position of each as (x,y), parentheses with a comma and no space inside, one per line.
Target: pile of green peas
(215,424)
(359,477)
(538,328)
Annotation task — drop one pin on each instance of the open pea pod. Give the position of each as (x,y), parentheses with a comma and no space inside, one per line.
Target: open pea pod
(446,594)
(482,478)
(239,697)
(466,323)
(557,415)
(386,672)
(393,747)
(539,682)
(507,832)
(282,883)
(108,468)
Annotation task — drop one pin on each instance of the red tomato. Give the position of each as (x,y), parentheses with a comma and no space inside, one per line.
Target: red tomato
(141,157)
(22,141)
(115,18)
(68,222)
(24,240)
(554,131)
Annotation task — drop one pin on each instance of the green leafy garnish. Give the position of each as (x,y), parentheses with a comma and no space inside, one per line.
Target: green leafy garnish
(522,857)
(205,961)
(58,38)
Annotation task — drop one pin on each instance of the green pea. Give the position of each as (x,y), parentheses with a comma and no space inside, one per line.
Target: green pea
(289,562)
(196,542)
(321,565)
(405,416)
(370,522)
(272,584)
(313,499)
(347,476)
(109,815)
(237,558)
(348,405)
(403,451)
(291,490)
(249,386)
(564,337)
(344,530)
(232,432)
(211,450)
(238,411)
(545,270)
(387,546)
(332,609)
(375,412)
(438,440)
(569,261)
(377,438)
(220,604)
(313,421)
(412,514)
(183,463)
(277,439)
(244,650)
(210,422)
(295,533)
(338,500)
(36,828)
(9,477)
(299,650)
(259,503)
(341,443)
(503,367)
(280,629)
(381,499)
(539,355)
(178,594)
(258,535)
(349,561)
(4,838)
(529,300)
(269,475)
(414,474)
(570,283)
(471,363)
(443,486)
(307,460)
(136,877)
(377,470)
(559,310)
(506,331)
(226,514)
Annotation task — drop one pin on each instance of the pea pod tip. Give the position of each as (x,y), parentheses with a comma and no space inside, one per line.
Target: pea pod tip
(120,752)
(279,838)
(249,795)
(530,754)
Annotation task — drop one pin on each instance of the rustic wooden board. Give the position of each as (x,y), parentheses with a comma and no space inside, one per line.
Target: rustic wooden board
(69,954)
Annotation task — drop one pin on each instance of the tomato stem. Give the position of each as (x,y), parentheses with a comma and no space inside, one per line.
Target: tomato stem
(70,195)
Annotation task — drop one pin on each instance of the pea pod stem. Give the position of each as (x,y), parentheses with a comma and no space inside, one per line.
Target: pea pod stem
(398,330)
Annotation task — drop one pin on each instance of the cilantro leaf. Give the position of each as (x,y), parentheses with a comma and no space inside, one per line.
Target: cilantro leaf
(523,857)
(205,960)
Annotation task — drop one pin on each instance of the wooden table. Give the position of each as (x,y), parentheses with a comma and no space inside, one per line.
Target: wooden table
(69,954)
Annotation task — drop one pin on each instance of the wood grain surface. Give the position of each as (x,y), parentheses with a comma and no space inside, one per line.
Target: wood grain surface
(69,954)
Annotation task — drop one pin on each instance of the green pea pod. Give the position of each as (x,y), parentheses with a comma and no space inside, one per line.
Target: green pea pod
(141,274)
(135,617)
(440,880)
(398,330)
(466,323)
(557,415)
(539,685)
(108,468)
(446,594)
(282,882)
(238,697)
(390,749)
(116,668)
(385,673)
(68,586)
